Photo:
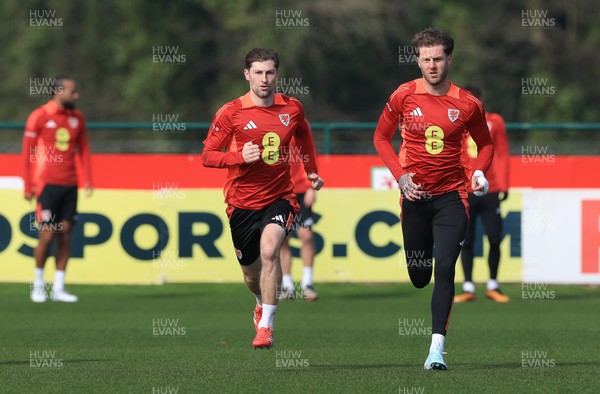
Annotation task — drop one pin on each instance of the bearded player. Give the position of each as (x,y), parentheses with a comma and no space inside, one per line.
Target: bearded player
(55,134)
(434,116)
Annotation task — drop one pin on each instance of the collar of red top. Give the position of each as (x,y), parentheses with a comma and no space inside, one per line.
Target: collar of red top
(247,100)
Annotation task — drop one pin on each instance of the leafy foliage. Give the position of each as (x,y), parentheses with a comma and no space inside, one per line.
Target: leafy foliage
(346,54)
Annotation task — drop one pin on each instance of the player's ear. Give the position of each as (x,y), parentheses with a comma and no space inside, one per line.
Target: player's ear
(449,58)
(247,74)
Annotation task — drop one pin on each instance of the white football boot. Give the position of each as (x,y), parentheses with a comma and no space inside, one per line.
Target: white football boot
(63,296)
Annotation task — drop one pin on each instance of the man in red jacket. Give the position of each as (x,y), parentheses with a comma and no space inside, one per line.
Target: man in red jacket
(54,134)
(487,207)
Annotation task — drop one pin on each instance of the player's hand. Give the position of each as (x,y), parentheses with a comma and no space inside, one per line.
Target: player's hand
(479,184)
(310,197)
(88,191)
(316,182)
(410,190)
(503,196)
(28,196)
(250,152)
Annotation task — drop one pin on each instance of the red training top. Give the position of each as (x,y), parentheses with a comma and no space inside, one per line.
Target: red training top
(433,136)
(259,184)
(53,136)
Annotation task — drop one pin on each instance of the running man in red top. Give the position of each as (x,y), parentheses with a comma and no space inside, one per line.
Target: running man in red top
(487,207)
(256,130)
(54,134)
(305,220)
(434,116)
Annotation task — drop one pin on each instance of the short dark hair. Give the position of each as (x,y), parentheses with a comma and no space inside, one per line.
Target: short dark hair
(261,55)
(474,89)
(432,37)
(58,83)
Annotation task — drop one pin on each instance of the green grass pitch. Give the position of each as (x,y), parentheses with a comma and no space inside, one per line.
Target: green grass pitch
(356,338)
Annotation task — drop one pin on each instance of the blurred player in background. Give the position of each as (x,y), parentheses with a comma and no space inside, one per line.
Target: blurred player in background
(54,134)
(306,198)
(487,207)
(434,116)
(256,130)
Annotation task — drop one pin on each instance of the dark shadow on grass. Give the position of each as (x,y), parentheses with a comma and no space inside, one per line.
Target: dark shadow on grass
(452,366)
(65,362)
(391,294)
(163,295)
(569,297)
(350,366)
(519,366)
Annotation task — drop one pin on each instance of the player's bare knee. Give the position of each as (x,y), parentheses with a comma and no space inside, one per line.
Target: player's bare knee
(305,235)
(252,272)
(251,280)
(64,237)
(251,277)
(269,254)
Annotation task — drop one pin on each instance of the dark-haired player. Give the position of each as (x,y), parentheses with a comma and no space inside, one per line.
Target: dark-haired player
(434,116)
(54,134)
(256,130)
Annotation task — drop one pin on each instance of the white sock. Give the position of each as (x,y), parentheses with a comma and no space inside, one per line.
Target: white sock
(307,277)
(38,279)
(268,316)
(258,300)
(59,281)
(468,287)
(437,343)
(287,283)
(492,284)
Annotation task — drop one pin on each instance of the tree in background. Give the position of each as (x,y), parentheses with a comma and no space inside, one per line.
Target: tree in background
(345,54)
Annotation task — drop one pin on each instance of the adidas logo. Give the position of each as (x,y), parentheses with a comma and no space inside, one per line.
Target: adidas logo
(51,124)
(250,126)
(278,218)
(417,112)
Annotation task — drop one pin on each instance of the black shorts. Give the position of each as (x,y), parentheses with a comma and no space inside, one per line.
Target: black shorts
(57,203)
(247,227)
(305,217)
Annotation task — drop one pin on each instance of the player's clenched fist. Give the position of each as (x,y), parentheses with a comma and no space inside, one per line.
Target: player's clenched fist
(410,190)
(250,152)
(316,182)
